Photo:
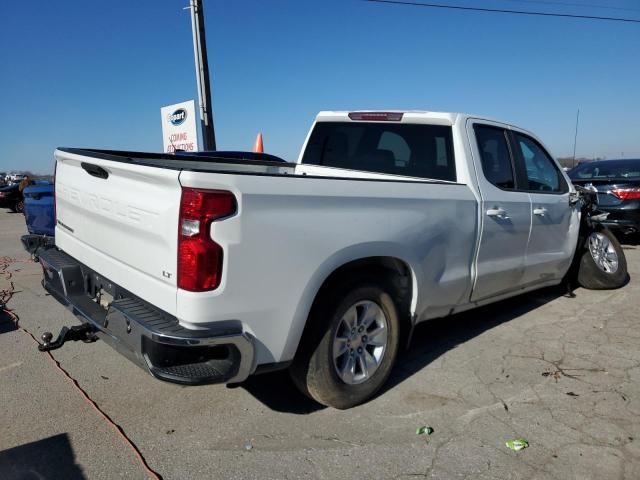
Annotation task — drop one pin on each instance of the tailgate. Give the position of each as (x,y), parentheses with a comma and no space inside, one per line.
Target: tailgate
(121,220)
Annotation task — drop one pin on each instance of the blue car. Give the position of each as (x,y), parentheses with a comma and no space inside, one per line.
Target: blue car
(39,213)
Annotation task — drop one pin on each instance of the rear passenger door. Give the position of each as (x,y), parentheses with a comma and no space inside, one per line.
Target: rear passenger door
(505,213)
(555,222)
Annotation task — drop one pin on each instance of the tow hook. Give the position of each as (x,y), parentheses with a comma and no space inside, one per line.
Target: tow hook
(84,332)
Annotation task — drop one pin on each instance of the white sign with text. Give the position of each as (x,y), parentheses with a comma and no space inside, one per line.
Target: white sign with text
(179,131)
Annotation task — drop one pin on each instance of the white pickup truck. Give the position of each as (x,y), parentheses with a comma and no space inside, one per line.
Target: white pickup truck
(211,267)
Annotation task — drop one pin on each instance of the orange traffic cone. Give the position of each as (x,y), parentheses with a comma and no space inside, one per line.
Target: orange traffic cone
(258,147)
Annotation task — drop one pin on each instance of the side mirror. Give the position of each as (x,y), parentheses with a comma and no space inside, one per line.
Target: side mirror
(574,198)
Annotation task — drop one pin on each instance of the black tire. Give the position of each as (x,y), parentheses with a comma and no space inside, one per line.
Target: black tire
(18,207)
(313,370)
(593,277)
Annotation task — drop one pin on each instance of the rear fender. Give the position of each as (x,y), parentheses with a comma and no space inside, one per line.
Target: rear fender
(333,263)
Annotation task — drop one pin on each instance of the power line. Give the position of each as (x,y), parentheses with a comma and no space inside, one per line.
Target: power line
(498,10)
(582,5)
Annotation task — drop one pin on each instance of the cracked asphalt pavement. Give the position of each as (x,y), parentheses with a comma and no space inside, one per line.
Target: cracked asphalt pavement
(562,373)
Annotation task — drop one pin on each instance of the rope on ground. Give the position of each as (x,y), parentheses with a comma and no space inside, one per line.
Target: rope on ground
(5,296)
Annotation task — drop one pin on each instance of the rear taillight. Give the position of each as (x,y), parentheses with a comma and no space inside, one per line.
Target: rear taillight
(199,257)
(626,193)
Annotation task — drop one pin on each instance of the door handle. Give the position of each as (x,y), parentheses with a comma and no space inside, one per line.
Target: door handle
(95,170)
(540,211)
(497,212)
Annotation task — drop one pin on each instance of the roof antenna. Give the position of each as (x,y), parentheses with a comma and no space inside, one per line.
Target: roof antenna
(575,139)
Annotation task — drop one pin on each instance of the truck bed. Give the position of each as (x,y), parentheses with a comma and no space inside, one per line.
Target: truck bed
(294,225)
(198,161)
(237,162)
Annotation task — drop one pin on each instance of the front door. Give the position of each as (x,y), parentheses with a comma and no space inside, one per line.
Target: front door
(505,213)
(555,223)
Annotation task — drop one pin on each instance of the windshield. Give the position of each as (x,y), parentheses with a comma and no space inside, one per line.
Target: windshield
(606,170)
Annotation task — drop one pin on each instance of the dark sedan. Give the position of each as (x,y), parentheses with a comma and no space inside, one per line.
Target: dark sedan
(11,197)
(618,185)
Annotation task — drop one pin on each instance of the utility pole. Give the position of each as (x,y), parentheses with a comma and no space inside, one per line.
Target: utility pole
(202,75)
(575,138)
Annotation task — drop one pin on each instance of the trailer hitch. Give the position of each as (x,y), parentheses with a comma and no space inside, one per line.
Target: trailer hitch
(84,332)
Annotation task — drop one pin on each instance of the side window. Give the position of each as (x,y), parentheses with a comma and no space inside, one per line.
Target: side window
(542,173)
(495,156)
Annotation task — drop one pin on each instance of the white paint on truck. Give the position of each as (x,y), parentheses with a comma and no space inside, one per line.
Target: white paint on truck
(466,234)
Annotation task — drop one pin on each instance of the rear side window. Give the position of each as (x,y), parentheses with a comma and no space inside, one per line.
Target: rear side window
(495,156)
(412,150)
(542,173)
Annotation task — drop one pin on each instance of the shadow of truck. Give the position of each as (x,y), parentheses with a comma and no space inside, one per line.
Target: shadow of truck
(51,457)
(431,339)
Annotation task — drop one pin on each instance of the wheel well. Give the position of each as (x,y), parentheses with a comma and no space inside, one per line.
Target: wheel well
(388,269)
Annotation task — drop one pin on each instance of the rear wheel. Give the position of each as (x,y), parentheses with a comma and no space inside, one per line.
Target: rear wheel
(355,344)
(603,264)
(18,206)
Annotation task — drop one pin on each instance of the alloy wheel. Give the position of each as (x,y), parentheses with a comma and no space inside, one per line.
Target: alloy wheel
(360,342)
(603,252)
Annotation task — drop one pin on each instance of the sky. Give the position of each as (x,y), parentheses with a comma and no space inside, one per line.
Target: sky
(95,73)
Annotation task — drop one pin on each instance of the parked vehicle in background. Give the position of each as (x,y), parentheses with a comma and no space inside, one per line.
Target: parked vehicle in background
(39,208)
(210,268)
(618,185)
(14,177)
(39,215)
(11,197)
(604,247)
(3,178)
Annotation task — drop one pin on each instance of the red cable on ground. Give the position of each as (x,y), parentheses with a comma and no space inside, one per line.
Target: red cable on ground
(5,296)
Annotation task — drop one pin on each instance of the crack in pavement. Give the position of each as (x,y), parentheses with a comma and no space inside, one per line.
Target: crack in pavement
(5,296)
